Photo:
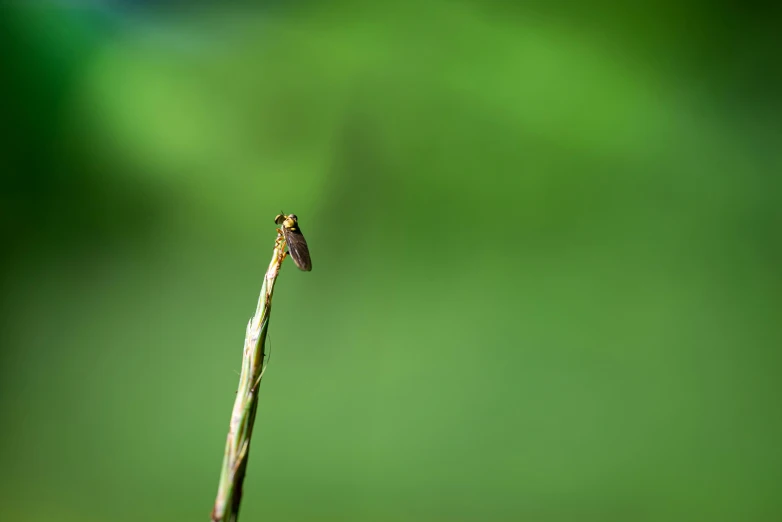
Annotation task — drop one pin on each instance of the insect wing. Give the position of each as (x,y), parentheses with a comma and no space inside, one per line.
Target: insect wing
(297,248)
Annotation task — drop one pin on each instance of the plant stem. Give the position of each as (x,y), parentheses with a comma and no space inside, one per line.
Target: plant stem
(237,446)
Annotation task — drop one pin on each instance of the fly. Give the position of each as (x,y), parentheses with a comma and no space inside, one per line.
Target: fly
(297,245)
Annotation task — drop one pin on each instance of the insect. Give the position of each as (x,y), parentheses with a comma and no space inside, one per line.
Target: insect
(297,245)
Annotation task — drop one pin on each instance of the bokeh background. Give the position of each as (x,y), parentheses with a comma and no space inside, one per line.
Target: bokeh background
(546,248)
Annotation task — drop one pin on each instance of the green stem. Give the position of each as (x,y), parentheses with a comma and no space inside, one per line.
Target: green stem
(237,446)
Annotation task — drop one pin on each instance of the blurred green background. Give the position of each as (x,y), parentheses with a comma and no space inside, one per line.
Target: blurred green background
(546,255)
